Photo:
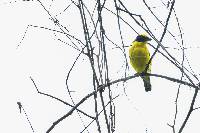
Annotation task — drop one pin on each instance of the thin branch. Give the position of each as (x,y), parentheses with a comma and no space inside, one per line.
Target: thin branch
(196,108)
(55,20)
(22,108)
(102,43)
(182,72)
(121,37)
(66,82)
(53,97)
(99,113)
(90,53)
(163,34)
(53,30)
(190,111)
(149,8)
(102,87)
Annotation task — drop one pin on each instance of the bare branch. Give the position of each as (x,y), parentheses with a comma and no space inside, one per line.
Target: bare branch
(21,108)
(53,97)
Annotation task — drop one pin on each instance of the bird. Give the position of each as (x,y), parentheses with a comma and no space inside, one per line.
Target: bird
(139,56)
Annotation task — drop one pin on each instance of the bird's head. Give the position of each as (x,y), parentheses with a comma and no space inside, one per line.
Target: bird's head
(142,38)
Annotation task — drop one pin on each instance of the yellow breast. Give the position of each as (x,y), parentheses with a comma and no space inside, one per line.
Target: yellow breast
(139,56)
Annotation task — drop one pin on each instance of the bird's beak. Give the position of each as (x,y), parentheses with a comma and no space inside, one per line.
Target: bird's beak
(148,39)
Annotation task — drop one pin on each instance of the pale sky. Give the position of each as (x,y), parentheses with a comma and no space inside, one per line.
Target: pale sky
(48,61)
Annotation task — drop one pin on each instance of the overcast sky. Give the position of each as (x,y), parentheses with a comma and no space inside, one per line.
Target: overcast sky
(40,55)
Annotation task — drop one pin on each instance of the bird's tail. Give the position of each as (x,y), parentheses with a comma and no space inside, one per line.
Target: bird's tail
(147,83)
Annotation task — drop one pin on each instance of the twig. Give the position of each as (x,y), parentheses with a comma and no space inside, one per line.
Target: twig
(182,72)
(190,111)
(196,108)
(42,93)
(22,108)
(163,34)
(99,113)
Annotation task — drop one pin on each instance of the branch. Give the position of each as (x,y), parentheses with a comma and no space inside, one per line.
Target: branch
(190,110)
(163,34)
(196,108)
(59,100)
(101,112)
(20,109)
(102,87)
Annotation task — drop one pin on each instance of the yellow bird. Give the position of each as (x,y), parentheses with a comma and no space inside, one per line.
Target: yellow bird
(139,57)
